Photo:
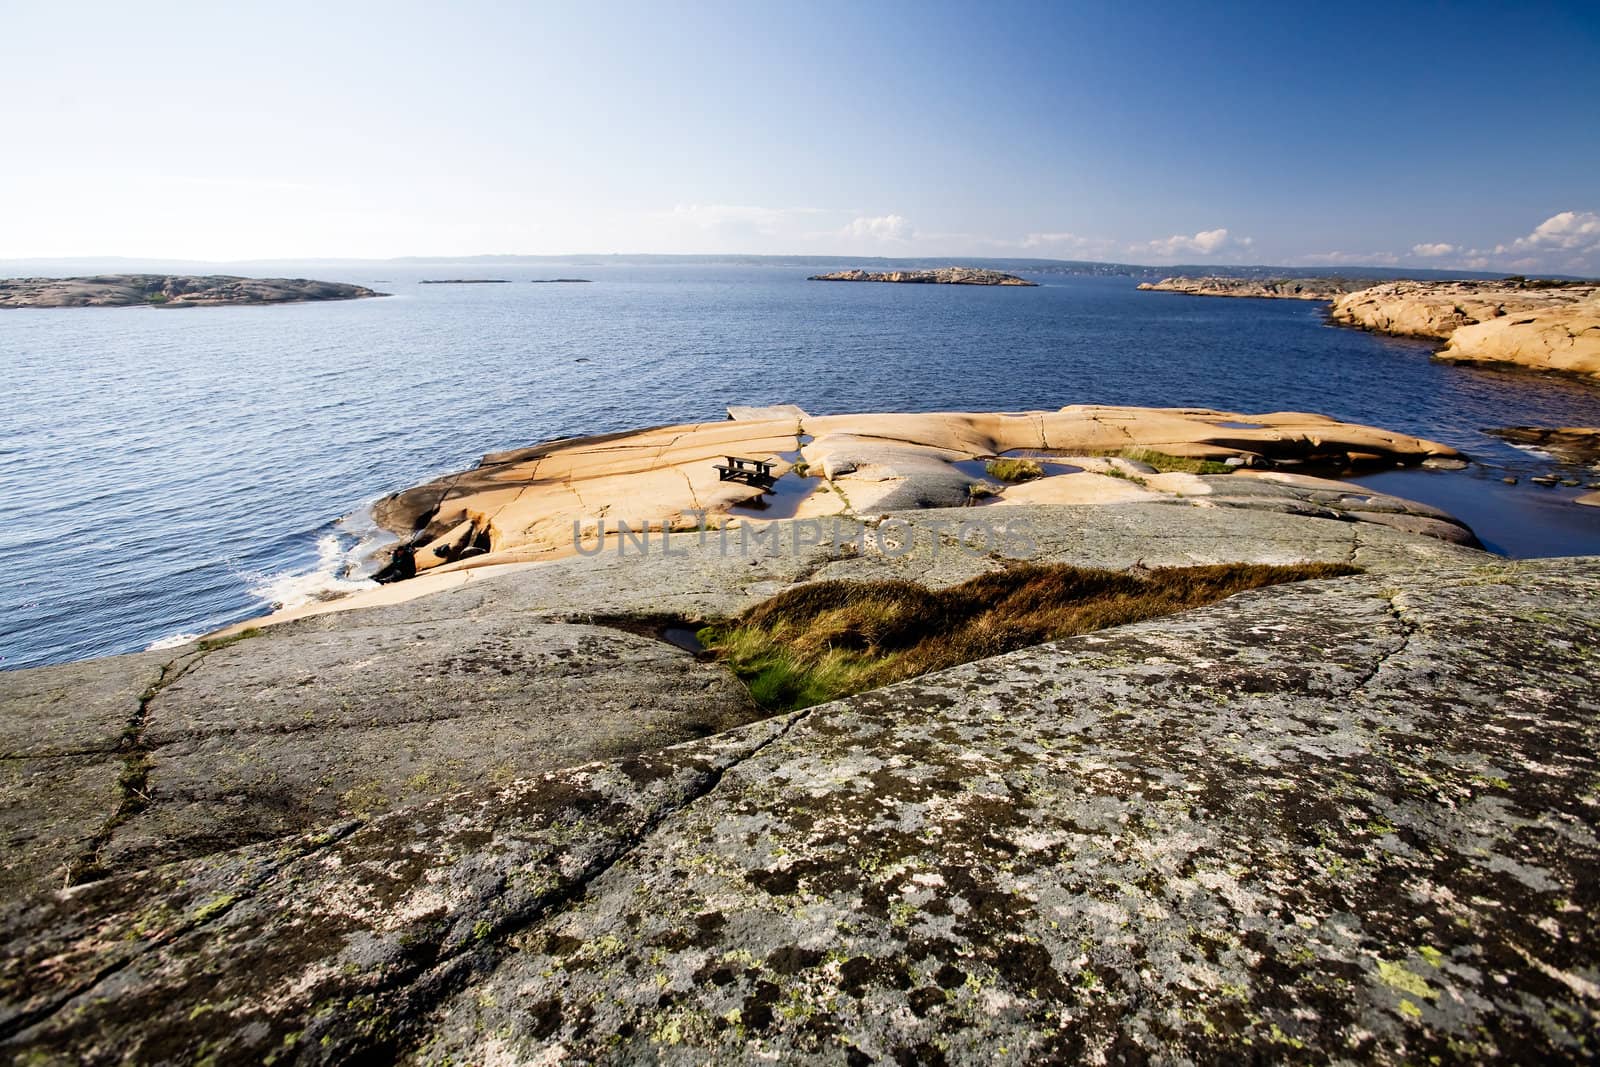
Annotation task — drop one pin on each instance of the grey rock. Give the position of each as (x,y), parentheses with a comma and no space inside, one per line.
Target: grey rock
(1352,504)
(1342,821)
(62,733)
(270,736)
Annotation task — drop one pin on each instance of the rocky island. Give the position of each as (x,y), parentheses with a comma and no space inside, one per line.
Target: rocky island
(941,276)
(1345,813)
(1272,288)
(170,290)
(1539,325)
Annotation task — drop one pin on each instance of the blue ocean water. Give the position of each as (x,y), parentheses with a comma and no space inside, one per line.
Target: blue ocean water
(166,472)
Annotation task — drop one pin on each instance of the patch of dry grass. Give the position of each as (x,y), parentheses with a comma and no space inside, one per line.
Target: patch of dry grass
(825,640)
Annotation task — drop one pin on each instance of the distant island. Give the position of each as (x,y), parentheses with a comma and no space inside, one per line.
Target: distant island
(499,281)
(1274,288)
(170,290)
(942,276)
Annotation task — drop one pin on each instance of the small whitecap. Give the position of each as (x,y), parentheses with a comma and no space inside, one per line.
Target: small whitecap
(329,579)
(174,641)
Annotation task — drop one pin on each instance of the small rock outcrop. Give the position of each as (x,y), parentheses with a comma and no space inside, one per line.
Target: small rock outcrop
(1272,288)
(1575,444)
(941,276)
(170,290)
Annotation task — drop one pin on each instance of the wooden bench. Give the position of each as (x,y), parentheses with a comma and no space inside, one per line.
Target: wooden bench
(756,472)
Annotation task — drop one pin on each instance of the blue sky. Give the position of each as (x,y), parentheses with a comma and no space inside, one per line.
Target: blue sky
(1442,135)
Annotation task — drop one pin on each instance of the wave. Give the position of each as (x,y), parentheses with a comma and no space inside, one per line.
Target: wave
(344,565)
(172,642)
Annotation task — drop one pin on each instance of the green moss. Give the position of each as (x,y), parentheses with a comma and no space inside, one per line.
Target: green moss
(212,908)
(1397,977)
(211,644)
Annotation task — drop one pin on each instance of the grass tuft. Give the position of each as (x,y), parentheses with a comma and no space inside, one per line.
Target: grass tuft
(1014,470)
(820,641)
(1165,463)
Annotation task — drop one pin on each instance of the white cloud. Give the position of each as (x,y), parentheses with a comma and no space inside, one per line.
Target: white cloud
(1362,259)
(1070,245)
(1567,242)
(880,228)
(1204,243)
(1569,231)
(766,220)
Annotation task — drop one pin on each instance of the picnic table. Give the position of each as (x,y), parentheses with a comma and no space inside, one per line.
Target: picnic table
(756,472)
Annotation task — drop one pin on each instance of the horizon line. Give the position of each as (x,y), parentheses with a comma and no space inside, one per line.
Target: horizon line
(951,260)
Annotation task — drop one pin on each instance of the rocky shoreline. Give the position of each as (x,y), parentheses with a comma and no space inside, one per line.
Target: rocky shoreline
(1553,327)
(170,291)
(941,276)
(1547,326)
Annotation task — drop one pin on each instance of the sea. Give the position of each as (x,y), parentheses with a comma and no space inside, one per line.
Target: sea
(167,472)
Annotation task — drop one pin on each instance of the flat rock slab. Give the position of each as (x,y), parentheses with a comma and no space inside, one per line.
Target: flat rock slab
(269,736)
(1350,820)
(63,731)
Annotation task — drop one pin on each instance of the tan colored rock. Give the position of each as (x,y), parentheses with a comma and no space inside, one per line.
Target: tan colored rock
(1085,488)
(1438,309)
(541,503)
(1566,338)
